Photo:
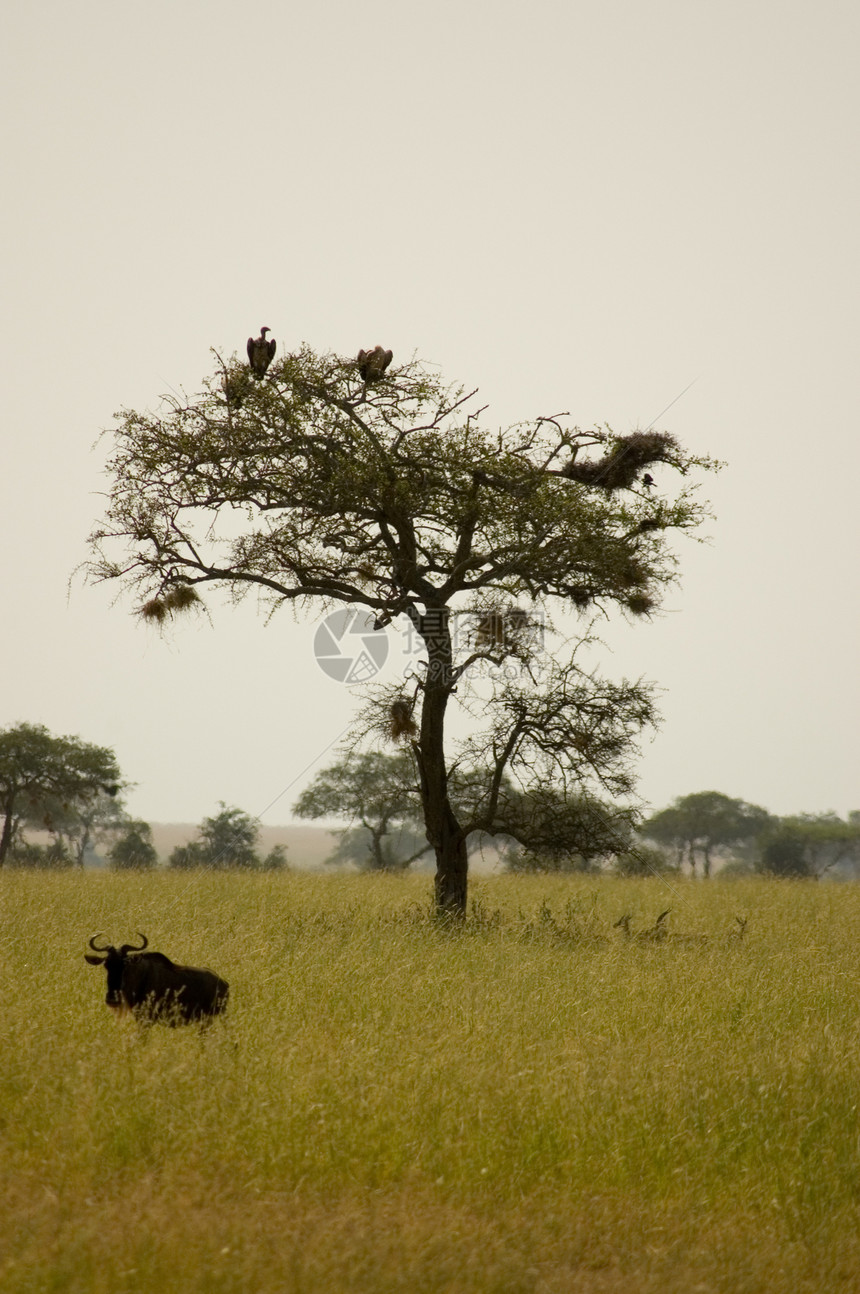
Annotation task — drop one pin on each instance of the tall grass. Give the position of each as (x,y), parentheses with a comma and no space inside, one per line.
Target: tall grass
(530,1103)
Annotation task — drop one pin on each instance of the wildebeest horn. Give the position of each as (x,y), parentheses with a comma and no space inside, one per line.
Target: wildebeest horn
(132,948)
(95,946)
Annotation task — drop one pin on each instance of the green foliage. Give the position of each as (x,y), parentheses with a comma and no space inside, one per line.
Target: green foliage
(134,848)
(525,862)
(184,857)
(26,854)
(643,860)
(379,793)
(59,784)
(396,496)
(704,822)
(276,859)
(810,845)
(227,841)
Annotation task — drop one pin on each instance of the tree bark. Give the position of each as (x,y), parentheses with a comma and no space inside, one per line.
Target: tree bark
(6,837)
(443,829)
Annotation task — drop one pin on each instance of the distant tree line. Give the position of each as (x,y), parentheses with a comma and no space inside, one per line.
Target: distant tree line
(70,791)
(378,796)
(707,828)
(68,794)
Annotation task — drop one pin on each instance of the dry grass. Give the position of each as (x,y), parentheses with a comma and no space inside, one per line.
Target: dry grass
(530,1104)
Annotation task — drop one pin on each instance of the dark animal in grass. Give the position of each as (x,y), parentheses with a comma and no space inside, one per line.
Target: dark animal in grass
(261,352)
(373,363)
(153,987)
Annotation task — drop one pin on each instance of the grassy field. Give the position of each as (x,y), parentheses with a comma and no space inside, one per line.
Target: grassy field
(530,1104)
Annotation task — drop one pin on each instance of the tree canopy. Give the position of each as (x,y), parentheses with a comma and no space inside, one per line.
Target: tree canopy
(320,485)
(133,850)
(810,844)
(227,840)
(376,792)
(59,784)
(703,822)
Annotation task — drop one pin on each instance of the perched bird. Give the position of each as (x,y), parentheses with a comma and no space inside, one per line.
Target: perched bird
(373,363)
(647,480)
(260,352)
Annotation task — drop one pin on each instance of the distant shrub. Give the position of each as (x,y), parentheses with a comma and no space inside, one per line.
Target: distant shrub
(46,857)
(644,860)
(785,855)
(228,841)
(134,849)
(276,859)
(525,863)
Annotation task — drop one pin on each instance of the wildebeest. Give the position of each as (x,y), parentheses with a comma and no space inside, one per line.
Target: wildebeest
(155,988)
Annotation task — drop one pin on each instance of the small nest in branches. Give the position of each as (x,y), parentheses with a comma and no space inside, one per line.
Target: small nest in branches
(502,627)
(621,465)
(401,724)
(581,597)
(632,574)
(639,604)
(179,598)
(154,610)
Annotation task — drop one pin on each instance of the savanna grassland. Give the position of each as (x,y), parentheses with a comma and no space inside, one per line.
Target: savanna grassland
(532,1103)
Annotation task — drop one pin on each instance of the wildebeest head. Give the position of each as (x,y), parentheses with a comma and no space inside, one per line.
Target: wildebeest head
(114,963)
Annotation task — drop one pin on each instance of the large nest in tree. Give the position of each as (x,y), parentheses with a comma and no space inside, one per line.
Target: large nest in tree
(620,466)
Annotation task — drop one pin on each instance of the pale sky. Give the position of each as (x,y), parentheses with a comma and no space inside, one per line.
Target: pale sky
(573,206)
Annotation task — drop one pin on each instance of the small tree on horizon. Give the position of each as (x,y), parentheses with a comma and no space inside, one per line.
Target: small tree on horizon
(378,792)
(810,844)
(704,822)
(325,484)
(133,850)
(58,784)
(227,840)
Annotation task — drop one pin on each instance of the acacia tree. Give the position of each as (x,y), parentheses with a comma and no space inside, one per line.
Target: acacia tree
(703,822)
(78,826)
(43,778)
(376,790)
(391,493)
(809,844)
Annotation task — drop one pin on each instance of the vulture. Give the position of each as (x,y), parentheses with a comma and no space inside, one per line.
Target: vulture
(373,363)
(260,352)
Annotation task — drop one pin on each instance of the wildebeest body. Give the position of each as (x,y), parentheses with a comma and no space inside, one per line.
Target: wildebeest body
(154,988)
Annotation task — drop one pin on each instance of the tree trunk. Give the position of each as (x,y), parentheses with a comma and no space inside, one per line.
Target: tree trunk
(378,864)
(443,829)
(6,837)
(452,869)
